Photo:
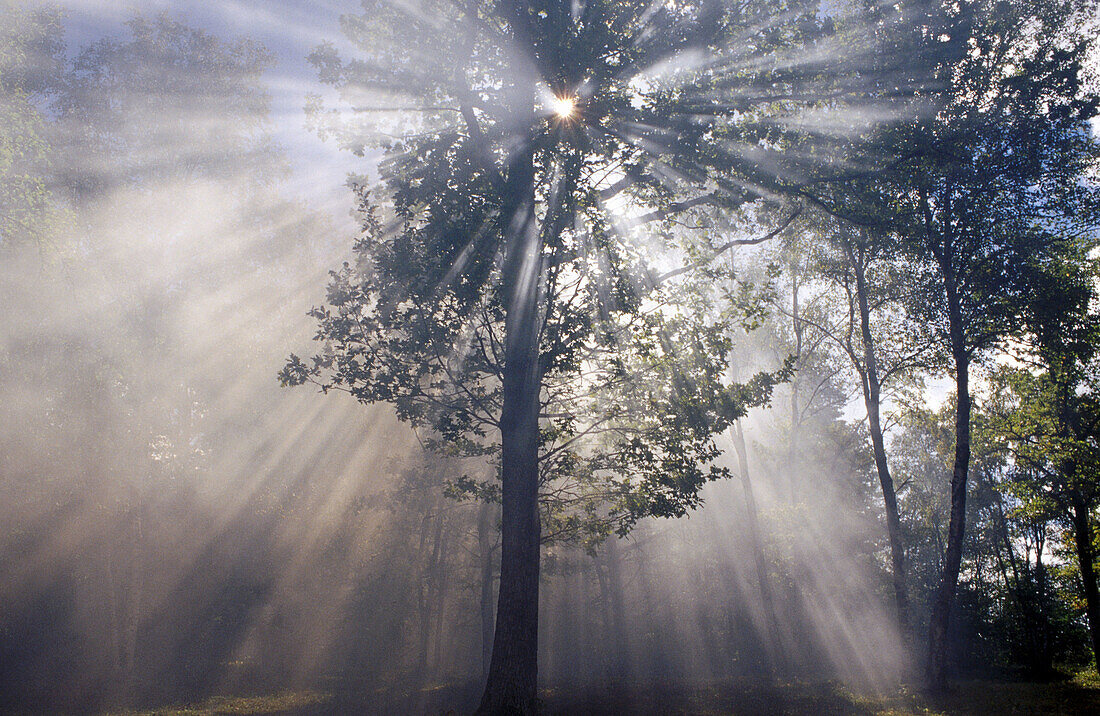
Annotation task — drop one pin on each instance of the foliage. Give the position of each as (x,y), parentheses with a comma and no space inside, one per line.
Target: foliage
(663,105)
(631,398)
(30,48)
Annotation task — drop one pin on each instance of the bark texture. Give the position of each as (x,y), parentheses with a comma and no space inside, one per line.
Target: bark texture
(872,397)
(1082,536)
(511,687)
(952,559)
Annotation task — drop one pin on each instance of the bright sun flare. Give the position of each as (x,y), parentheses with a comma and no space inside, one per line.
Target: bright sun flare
(564,107)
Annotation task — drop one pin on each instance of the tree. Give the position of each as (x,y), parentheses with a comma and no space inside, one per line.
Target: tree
(1048,419)
(1017,607)
(998,179)
(856,247)
(977,189)
(30,52)
(525,144)
(627,405)
(866,268)
(116,342)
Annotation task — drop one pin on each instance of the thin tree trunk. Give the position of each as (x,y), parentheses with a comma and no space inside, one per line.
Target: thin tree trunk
(1082,536)
(428,595)
(486,539)
(952,560)
(872,398)
(1039,624)
(511,687)
(773,641)
(792,442)
(439,601)
(621,662)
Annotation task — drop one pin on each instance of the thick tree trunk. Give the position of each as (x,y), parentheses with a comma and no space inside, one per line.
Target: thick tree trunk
(772,641)
(513,671)
(952,559)
(872,398)
(1082,536)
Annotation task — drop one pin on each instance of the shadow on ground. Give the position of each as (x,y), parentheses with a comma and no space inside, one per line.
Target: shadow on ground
(749,698)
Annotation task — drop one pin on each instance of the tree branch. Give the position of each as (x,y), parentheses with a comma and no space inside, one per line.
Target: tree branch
(727,246)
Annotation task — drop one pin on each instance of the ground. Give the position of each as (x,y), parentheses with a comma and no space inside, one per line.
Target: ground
(1078,695)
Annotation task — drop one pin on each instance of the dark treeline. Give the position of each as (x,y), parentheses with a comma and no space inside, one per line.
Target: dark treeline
(703,343)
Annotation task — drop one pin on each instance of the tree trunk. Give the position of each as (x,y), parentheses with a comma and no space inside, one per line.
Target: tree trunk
(1082,536)
(792,438)
(620,662)
(772,641)
(1039,621)
(486,539)
(426,596)
(952,560)
(872,389)
(513,671)
(439,601)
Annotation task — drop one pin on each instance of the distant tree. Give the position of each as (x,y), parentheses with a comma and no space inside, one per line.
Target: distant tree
(865,271)
(984,192)
(155,142)
(30,59)
(166,102)
(1048,416)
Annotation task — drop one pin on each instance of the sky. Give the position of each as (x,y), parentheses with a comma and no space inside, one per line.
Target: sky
(290,30)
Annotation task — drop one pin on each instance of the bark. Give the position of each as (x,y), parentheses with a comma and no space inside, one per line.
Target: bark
(1039,623)
(614,602)
(945,593)
(486,539)
(792,443)
(513,670)
(872,398)
(1082,536)
(428,598)
(752,523)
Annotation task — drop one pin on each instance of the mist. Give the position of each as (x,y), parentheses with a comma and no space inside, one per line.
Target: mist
(179,527)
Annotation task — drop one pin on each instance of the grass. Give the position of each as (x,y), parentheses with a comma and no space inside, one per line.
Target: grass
(822,698)
(287,702)
(1078,695)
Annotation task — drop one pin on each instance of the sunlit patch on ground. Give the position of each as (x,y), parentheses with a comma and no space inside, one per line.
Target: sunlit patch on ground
(280,703)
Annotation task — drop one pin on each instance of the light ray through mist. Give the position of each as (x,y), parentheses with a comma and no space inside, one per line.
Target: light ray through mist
(178,525)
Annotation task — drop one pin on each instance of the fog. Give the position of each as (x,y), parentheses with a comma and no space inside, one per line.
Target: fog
(177,525)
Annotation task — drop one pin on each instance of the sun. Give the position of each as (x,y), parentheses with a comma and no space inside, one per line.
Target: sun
(564,107)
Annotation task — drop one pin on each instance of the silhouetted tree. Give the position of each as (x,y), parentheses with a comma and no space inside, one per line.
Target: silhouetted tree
(660,109)
(1049,416)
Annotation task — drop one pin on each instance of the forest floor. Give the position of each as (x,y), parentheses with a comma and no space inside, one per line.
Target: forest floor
(1079,695)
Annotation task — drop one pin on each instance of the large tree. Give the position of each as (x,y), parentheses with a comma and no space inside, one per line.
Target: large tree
(526,146)
(629,388)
